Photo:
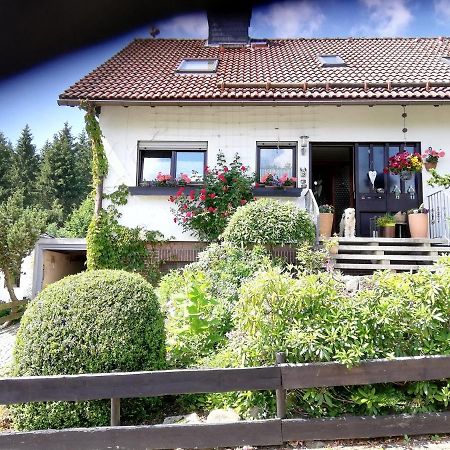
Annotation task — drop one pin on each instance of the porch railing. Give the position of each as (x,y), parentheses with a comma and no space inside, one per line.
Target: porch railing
(312,208)
(439,210)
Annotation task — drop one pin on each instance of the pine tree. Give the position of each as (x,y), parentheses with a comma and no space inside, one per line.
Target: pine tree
(25,167)
(57,181)
(6,161)
(83,149)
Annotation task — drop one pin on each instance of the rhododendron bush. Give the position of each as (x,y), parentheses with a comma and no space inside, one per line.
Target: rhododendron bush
(205,211)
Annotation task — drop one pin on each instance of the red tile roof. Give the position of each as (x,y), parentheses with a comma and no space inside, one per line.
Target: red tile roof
(145,70)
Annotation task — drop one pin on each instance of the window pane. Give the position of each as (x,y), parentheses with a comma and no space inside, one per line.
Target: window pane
(277,161)
(187,162)
(151,167)
(394,180)
(364,184)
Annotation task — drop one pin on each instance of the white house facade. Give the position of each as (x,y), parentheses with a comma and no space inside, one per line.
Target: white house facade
(242,128)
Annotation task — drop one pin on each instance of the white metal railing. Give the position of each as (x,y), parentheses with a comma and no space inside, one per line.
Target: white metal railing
(439,209)
(311,207)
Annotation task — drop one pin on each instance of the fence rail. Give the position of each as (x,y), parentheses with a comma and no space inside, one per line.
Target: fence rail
(280,377)
(14,313)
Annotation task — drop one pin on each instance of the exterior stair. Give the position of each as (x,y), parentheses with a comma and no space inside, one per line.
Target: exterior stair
(365,255)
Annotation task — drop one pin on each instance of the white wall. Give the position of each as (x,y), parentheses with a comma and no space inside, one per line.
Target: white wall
(26,281)
(237,128)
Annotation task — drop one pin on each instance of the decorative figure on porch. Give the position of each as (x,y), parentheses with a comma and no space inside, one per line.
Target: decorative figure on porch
(348,223)
(412,192)
(372,177)
(396,191)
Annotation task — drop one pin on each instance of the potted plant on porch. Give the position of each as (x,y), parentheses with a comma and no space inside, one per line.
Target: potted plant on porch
(418,222)
(404,164)
(326,215)
(386,224)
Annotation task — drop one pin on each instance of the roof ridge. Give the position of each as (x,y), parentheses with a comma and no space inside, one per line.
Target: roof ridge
(340,38)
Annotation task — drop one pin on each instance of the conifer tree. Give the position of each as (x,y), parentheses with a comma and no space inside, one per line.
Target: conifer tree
(25,166)
(83,149)
(57,181)
(6,160)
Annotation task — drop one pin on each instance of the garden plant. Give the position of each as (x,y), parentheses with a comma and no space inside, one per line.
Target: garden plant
(93,322)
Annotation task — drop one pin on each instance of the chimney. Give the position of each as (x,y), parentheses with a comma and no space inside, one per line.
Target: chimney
(229,28)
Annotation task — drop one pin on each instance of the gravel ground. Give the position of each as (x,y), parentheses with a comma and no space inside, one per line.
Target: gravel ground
(7,339)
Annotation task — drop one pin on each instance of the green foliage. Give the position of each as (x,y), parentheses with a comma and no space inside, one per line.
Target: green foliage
(25,165)
(388,220)
(439,180)
(312,319)
(114,246)
(199,300)
(206,212)
(59,180)
(77,223)
(6,159)
(93,322)
(309,260)
(270,222)
(99,159)
(20,228)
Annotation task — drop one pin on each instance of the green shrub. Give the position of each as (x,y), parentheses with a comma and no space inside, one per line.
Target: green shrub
(199,300)
(270,222)
(97,321)
(111,245)
(313,320)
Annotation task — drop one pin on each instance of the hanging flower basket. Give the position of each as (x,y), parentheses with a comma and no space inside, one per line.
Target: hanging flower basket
(431,158)
(404,164)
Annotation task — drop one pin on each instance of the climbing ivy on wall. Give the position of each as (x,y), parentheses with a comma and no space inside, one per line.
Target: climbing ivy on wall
(109,244)
(99,159)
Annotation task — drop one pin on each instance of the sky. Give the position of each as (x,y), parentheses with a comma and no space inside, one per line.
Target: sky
(31,97)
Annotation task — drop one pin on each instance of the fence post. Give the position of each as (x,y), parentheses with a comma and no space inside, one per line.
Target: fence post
(280,358)
(115,410)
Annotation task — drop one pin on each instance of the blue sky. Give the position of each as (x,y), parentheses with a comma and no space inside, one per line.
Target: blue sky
(30,97)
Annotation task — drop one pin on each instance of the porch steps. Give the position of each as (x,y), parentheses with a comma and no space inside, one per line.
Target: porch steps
(365,255)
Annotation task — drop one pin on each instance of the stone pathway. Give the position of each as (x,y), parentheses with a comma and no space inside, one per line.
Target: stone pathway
(7,339)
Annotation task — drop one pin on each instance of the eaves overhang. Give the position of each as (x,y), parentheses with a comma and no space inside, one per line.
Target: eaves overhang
(259,102)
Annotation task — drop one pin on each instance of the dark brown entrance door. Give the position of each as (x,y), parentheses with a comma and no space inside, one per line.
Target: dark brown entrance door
(377,192)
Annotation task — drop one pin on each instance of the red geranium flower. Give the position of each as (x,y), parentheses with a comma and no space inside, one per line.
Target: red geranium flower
(221,178)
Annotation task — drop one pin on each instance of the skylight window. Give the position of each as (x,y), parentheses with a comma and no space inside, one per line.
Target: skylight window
(331,61)
(446,59)
(198,66)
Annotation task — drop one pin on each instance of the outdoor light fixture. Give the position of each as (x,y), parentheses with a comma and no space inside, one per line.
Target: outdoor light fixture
(303,144)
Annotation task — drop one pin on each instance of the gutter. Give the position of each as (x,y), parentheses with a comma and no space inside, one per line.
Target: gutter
(261,102)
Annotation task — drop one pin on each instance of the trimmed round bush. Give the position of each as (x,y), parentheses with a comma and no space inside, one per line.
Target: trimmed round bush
(96,321)
(269,222)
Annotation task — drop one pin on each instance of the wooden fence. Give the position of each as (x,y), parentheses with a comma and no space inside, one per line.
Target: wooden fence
(16,310)
(280,377)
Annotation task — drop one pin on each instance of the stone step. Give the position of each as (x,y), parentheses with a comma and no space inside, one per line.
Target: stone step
(393,248)
(373,267)
(386,257)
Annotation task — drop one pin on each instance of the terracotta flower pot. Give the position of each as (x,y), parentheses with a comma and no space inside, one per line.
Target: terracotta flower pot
(430,165)
(325,224)
(418,225)
(388,232)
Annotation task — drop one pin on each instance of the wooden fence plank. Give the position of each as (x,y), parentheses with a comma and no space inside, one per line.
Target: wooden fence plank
(256,433)
(14,304)
(10,317)
(136,384)
(368,372)
(365,427)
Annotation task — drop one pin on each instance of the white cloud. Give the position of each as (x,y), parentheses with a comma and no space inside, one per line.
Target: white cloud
(386,18)
(442,11)
(193,25)
(287,19)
